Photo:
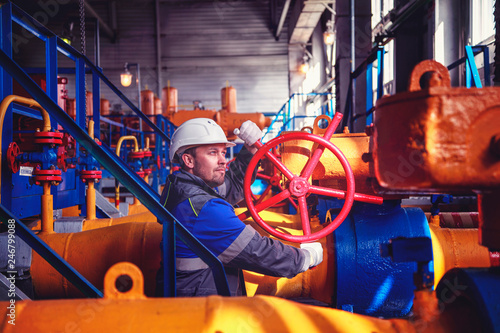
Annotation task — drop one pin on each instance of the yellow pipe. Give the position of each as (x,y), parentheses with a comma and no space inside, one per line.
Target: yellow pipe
(91,205)
(47,210)
(456,247)
(147,144)
(128,310)
(23,100)
(118,148)
(125,138)
(93,252)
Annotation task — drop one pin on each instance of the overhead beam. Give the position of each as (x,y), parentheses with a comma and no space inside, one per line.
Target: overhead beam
(105,28)
(282,19)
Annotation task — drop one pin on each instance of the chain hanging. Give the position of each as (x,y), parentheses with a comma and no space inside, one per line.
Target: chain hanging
(82,43)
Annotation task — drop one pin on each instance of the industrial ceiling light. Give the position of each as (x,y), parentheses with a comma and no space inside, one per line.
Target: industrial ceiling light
(329,34)
(304,66)
(126,77)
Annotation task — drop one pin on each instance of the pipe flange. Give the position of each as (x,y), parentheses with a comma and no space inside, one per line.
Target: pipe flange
(48,138)
(90,175)
(147,172)
(136,154)
(148,153)
(140,173)
(41,176)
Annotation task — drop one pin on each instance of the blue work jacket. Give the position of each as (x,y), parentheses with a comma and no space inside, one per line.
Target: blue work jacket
(209,215)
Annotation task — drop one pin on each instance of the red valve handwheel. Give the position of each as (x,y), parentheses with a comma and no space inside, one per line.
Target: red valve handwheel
(298,186)
(273,180)
(12,153)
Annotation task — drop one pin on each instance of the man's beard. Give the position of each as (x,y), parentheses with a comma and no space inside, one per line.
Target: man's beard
(216,181)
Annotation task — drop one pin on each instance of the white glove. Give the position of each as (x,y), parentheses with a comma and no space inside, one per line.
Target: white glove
(316,253)
(249,132)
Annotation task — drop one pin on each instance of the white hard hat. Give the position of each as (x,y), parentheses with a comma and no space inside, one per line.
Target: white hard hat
(196,132)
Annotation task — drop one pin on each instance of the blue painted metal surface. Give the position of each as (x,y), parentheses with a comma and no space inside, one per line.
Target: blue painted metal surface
(49,255)
(480,287)
(371,284)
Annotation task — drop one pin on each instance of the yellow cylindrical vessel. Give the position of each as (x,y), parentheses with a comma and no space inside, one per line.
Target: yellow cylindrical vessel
(92,252)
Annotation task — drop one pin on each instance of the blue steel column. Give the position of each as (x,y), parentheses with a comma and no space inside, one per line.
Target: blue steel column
(51,71)
(369,93)
(81,114)
(6,89)
(169,256)
(380,72)
(96,101)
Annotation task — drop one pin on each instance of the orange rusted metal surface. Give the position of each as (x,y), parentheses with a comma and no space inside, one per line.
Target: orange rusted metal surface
(438,138)
(93,252)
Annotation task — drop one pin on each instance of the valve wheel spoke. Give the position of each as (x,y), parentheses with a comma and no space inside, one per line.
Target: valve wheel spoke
(304,216)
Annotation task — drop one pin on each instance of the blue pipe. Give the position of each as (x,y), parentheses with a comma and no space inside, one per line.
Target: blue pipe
(119,169)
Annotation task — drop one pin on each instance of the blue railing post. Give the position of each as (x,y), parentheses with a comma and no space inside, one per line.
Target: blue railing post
(369,92)
(471,69)
(380,72)
(96,102)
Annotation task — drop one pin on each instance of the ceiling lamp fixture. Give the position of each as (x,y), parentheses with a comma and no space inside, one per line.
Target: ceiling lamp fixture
(304,66)
(126,77)
(329,34)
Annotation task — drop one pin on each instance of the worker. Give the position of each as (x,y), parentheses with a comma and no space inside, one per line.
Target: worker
(201,196)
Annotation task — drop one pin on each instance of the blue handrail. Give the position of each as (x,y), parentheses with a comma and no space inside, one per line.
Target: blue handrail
(287,120)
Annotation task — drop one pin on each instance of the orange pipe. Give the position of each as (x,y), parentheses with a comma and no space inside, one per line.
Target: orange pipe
(92,252)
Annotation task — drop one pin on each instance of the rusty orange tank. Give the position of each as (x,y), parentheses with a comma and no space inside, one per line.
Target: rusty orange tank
(169,100)
(228,99)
